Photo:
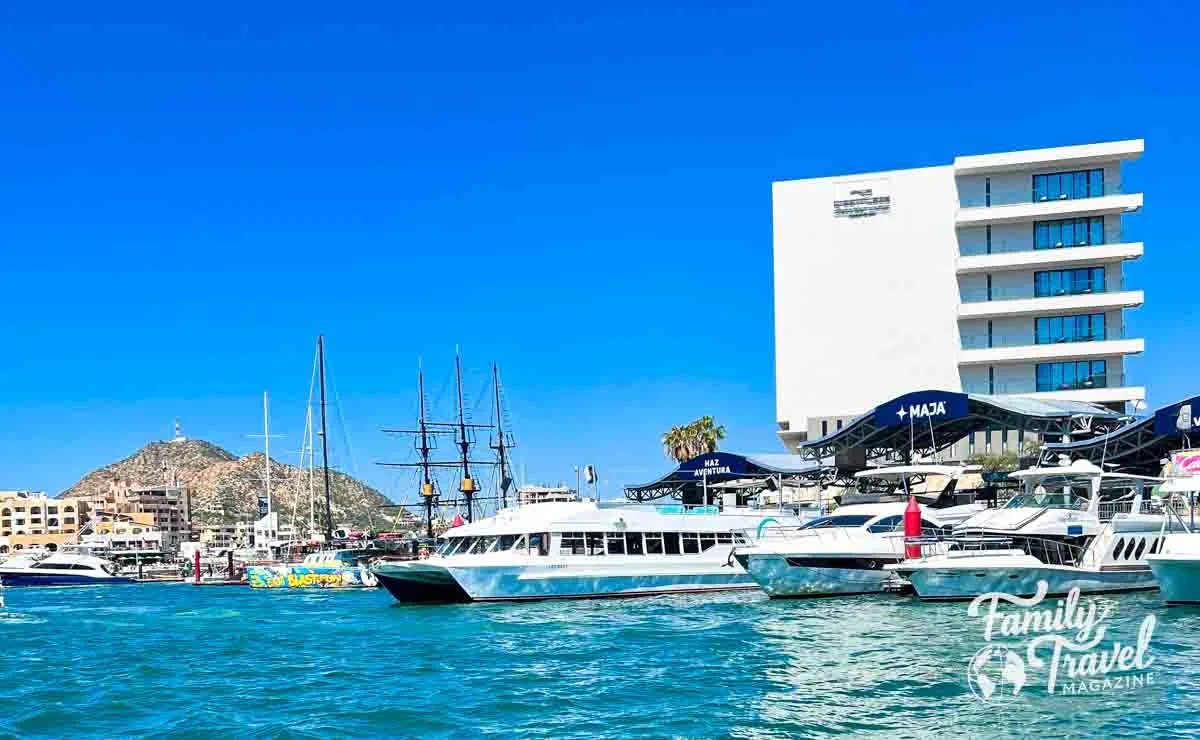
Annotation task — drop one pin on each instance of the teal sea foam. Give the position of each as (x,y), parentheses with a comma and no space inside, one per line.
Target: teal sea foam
(175,660)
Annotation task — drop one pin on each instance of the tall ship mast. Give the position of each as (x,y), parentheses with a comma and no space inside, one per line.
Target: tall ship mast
(425,443)
(502,444)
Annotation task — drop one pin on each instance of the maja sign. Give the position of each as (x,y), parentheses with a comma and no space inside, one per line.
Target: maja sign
(1065,639)
(933,406)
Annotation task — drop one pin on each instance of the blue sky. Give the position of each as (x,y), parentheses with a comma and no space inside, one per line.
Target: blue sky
(579,191)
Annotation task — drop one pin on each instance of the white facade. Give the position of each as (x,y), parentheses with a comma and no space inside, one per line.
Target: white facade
(997,274)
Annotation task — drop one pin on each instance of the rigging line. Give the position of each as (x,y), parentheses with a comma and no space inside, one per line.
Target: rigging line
(337,405)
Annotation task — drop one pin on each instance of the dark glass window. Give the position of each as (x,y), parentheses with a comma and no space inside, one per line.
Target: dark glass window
(671,543)
(654,543)
(1058,329)
(1066,376)
(1070,232)
(616,543)
(1064,185)
(633,543)
(595,543)
(1068,282)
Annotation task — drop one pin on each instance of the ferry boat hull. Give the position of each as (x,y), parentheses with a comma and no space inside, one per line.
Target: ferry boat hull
(425,582)
(1178,577)
(420,582)
(783,577)
(959,579)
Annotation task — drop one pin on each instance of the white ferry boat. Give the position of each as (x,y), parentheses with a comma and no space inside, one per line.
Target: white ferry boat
(59,569)
(1074,526)
(583,549)
(845,553)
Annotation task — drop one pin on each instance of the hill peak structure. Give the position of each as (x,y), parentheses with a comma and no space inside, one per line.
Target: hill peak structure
(997,274)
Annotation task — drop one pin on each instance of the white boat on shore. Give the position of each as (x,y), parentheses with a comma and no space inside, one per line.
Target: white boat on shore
(1073,527)
(583,549)
(846,552)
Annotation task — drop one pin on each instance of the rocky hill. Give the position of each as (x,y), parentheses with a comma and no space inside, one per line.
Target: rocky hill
(225,488)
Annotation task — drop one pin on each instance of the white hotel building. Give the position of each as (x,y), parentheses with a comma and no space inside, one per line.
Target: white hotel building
(998,274)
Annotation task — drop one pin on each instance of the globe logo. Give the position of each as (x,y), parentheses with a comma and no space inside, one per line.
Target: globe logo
(996,675)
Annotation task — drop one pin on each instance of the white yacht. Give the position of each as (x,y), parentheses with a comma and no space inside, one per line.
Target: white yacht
(845,553)
(582,549)
(59,569)
(1176,564)
(1073,526)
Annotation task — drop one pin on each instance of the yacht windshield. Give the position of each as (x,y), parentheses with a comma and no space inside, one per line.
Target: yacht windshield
(482,545)
(506,542)
(845,520)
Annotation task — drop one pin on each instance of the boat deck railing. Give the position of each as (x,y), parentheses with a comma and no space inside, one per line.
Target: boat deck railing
(1048,551)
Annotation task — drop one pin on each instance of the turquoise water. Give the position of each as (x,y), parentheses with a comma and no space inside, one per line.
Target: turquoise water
(175,660)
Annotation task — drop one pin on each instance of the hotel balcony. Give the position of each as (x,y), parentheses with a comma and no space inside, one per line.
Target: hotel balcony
(1001,302)
(1097,389)
(996,350)
(1027,205)
(1021,255)
(1075,157)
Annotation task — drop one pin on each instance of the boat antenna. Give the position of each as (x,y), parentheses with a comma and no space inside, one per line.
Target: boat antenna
(467,487)
(325,443)
(501,445)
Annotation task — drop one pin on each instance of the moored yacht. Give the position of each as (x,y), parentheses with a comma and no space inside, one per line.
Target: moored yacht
(582,549)
(1073,527)
(1176,564)
(845,552)
(346,568)
(59,569)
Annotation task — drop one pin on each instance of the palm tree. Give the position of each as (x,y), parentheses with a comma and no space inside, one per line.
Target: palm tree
(699,437)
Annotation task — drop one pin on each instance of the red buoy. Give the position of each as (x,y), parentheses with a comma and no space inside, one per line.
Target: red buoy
(197,563)
(458,521)
(912,528)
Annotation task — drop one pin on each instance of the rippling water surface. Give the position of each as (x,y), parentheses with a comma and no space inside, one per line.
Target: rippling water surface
(175,660)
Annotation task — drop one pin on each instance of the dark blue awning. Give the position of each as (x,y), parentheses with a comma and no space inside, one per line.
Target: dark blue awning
(719,467)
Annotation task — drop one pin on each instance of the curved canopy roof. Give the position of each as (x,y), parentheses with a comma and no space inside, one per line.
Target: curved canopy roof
(719,467)
(924,422)
(1140,445)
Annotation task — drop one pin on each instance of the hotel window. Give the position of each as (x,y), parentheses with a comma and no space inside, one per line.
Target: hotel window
(1065,376)
(1068,282)
(1066,185)
(1070,232)
(839,423)
(824,427)
(1060,329)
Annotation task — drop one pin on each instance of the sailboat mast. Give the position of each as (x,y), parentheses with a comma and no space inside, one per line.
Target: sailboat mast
(312,493)
(267,452)
(501,449)
(426,479)
(325,442)
(467,487)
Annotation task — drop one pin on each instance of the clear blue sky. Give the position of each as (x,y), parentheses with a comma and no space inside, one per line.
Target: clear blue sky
(189,195)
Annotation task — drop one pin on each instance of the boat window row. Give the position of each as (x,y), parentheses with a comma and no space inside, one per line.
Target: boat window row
(892,523)
(1134,548)
(643,543)
(62,566)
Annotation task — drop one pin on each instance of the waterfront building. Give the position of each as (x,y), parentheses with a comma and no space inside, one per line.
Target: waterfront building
(124,536)
(165,507)
(33,519)
(997,274)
